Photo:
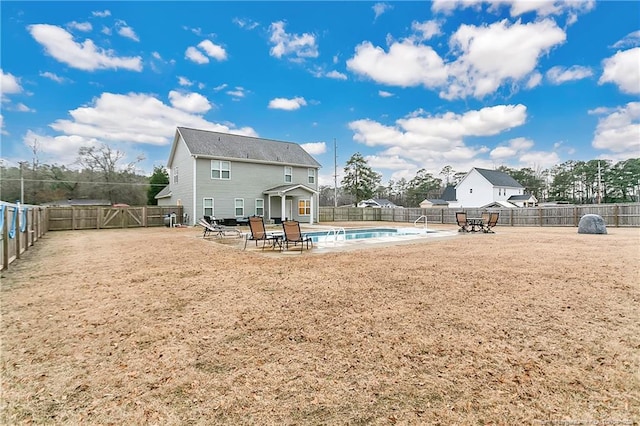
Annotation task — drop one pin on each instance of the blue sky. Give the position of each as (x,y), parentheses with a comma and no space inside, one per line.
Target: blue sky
(409,85)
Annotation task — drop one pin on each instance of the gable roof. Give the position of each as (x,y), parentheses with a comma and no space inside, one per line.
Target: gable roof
(435,201)
(498,178)
(523,197)
(209,144)
(164,193)
(449,193)
(283,189)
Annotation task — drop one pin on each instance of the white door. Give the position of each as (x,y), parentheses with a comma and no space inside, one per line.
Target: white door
(289,210)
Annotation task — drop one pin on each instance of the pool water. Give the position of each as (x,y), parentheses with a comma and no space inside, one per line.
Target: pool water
(362,234)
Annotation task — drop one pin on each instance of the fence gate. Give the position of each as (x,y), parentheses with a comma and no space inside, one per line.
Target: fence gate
(134,217)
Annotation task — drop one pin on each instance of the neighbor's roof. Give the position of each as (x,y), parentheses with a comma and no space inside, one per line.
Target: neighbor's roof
(210,144)
(436,201)
(497,178)
(523,197)
(164,193)
(449,193)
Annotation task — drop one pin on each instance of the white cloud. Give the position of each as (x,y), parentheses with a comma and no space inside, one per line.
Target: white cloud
(195,55)
(126,31)
(220,87)
(534,80)
(183,81)
(101,14)
(405,65)
(211,49)
(52,76)
(380,8)
(430,141)
(315,148)
(20,107)
(237,93)
(619,130)
(559,75)
(622,70)
(427,29)
(384,94)
(80,26)
(490,56)
(630,40)
(245,23)
(297,46)
(511,149)
(190,102)
(107,119)
(3,131)
(85,56)
(336,75)
(539,159)
(287,104)
(541,8)
(9,84)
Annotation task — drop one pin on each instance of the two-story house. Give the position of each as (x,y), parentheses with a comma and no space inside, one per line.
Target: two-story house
(233,176)
(483,187)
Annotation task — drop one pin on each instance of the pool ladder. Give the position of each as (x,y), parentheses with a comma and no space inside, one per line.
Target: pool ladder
(415,222)
(336,232)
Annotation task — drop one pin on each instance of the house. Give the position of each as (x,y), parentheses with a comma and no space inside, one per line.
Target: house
(484,187)
(378,203)
(433,203)
(524,200)
(233,176)
(447,199)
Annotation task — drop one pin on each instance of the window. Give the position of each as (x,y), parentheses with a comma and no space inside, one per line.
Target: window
(175,174)
(207,206)
(288,174)
(220,169)
(304,207)
(239,207)
(259,207)
(312,176)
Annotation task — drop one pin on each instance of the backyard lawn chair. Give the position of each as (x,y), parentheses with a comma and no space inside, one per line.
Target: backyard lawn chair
(461,220)
(493,220)
(293,235)
(211,227)
(259,233)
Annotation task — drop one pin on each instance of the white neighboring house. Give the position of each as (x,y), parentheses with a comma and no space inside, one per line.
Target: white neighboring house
(232,177)
(378,203)
(485,188)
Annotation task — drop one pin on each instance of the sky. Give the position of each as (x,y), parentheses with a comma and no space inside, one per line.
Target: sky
(409,85)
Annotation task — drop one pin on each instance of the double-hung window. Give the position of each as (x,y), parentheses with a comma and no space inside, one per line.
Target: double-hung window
(259,207)
(239,203)
(304,207)
(207,206)
(288,174)
(220,169)
(312,176)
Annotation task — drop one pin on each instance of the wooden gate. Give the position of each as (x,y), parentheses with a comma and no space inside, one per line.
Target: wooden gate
(116,217)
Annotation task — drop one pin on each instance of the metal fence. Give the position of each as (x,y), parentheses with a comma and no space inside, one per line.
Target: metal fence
(617,215)
(20,227)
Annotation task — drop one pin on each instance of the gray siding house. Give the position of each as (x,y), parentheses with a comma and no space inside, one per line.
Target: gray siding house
(234,176)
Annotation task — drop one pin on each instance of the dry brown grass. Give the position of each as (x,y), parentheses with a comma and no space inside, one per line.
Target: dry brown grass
(157,326)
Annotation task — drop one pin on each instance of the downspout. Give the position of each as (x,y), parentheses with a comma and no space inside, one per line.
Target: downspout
(312,204)
(195,200)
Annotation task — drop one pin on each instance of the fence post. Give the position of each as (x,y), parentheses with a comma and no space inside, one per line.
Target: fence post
(575,216)
(540,215)
(17,234)
(5,239)
(616,215)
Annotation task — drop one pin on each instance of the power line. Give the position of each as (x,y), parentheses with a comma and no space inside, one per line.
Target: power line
(86,182)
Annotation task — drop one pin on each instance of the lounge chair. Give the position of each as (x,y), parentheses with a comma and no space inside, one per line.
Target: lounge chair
(212,228)
(493,220)
(259,233)
(293,235)
(461,220)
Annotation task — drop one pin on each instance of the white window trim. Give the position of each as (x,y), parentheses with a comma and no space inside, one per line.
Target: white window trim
(307,202)
(219,168)
(204,213)
(311,175)
(288,174)
(235,207)
(259,200)
(175,174)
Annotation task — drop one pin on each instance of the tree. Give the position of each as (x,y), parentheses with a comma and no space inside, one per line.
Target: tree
(158,180)
(447,172)
(359,179)
(422,186)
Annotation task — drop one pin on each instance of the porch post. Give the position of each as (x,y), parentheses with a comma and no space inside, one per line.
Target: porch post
(311,205)
(269,216)
(283,212)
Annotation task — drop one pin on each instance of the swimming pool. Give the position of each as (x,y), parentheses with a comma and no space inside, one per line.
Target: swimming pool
(340,234)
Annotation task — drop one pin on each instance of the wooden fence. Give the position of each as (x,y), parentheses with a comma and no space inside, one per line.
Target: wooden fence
(20,227)
(97,217)
(617,215)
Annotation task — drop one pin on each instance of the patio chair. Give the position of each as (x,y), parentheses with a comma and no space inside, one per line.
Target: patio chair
(461,220)
(292,234)
(211,227)
(493,221)
(259,233)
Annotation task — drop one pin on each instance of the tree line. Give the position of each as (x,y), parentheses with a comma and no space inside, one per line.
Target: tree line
(99,173)
(576,182)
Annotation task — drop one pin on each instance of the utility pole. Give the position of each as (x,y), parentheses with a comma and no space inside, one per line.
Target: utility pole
(22,163)
(335,174)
